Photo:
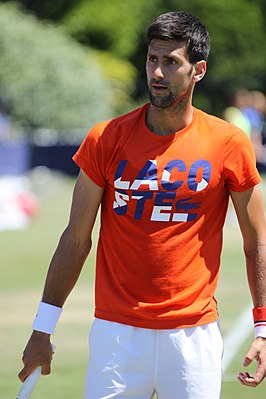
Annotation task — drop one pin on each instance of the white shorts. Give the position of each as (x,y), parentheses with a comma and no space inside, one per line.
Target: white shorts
(129,362)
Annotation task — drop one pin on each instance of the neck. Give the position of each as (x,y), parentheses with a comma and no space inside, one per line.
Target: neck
(166,121)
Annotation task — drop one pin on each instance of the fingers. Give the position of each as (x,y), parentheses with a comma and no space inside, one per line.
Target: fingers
(247,380)
(247,360)
(46,369)
(30,366)
(251,355)
(38,352)
(24,373)
(260,374)
(257,352)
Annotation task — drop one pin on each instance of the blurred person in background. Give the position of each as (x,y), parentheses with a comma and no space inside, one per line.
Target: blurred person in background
(233,113)
(247,111)
(162,176)
(255,112)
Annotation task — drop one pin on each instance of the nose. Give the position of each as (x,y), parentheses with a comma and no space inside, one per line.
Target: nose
(158,72)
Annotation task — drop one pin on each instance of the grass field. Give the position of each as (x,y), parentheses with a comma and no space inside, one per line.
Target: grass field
(24,258)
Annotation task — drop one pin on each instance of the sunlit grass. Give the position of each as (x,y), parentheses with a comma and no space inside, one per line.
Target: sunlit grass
(24,259)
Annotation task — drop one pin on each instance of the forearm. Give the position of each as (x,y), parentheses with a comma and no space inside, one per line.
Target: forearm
(65,268)
(256,272)
(66,264)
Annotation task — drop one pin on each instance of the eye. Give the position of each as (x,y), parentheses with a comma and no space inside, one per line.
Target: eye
(152,58)
(172,61)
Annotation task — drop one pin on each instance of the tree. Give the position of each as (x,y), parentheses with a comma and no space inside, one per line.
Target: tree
(46,78)
(118,28)
(52,10)
(237,59)
(237,30)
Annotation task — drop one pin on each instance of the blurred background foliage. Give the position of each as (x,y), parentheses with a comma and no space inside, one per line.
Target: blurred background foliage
(72,62)
(46,78)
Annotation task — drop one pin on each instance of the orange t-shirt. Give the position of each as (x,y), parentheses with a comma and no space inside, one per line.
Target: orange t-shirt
(162,215)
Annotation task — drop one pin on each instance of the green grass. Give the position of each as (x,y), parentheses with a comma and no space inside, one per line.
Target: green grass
(24,259)
(25,256)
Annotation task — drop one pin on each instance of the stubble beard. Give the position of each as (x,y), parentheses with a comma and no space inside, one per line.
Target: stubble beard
(162,102)
(173,99)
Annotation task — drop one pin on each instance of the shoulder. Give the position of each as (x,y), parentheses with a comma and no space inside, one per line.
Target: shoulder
(220,128)
(118,125)
(213,121)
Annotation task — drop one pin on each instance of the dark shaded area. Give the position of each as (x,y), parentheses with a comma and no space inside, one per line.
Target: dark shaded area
(18,157)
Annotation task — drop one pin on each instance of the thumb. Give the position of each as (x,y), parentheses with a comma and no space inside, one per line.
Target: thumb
(247,361)
(250,356)
(46,368)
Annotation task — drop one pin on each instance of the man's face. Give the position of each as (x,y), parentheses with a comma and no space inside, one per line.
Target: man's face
(169,73)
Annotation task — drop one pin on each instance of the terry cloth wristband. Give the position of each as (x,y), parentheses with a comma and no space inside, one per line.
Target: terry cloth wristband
(46,318)
(259,316)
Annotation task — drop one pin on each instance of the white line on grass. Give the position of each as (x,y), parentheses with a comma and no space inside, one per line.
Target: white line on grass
(236,337)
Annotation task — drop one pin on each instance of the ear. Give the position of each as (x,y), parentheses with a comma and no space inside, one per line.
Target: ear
(199,70)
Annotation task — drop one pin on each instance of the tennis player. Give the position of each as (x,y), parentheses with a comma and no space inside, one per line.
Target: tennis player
(163,175)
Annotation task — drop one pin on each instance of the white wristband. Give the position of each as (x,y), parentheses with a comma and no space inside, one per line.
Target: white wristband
(46,318)
(260,330)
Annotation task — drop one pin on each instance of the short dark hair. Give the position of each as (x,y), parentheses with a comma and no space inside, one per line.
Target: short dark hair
(182,26)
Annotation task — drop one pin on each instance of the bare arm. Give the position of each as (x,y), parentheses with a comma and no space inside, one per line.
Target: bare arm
(75,242)
(65,267)
(250,213)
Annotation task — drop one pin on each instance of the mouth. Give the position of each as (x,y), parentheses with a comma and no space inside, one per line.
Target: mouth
(158,88)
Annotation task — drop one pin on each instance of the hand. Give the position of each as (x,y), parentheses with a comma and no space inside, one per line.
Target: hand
(256,352)
(38,352)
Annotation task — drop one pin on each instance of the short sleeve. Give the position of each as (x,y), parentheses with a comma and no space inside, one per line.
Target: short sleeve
(240,170)
(91,156)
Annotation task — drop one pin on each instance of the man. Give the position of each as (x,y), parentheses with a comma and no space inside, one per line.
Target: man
(163,175)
